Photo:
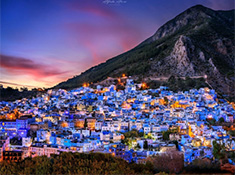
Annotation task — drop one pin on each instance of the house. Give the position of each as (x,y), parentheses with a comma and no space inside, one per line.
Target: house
(185,139)
(43,135)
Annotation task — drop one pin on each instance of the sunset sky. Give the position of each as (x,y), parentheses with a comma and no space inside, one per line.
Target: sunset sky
(44,42)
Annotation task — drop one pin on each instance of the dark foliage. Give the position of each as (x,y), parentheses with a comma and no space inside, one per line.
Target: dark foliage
(199,166)
(10,94)
(74,163)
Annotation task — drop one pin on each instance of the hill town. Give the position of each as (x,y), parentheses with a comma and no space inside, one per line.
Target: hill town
(125,120)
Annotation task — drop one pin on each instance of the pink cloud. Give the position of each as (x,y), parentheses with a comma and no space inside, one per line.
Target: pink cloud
(97,39)
(23,66)
(100,40)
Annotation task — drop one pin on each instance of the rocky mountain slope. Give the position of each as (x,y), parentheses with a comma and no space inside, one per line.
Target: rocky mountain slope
(197,43)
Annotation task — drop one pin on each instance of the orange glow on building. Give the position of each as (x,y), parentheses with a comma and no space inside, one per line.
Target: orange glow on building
(161,101)
(126,105)
(190,133)
(152,102)
(233,105)
(91,123)
(64,125)
(144,85)
(79,124)
(143,106)
(178,105)
(86,85)
(131,100)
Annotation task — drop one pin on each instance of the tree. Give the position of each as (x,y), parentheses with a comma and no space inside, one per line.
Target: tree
(176,144)
(221,120)
(74,163)
(166,101)
(211,121)
(93,114)
(165,135)
(200,166)
(141,134)
(232,133)
(24,89)
(145,144)
(218,150)
(9,88)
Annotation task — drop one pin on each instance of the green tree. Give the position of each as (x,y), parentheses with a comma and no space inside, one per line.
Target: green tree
(145,144)
(165,135)
(218,150)
(221,120)
(176,144)
(166,100)
(232,133)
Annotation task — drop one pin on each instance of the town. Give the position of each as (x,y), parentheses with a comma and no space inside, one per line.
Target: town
(133,123)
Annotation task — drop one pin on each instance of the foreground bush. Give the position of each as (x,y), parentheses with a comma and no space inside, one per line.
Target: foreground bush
(74,163)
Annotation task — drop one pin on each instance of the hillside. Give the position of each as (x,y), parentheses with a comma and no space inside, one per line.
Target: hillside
(197,43)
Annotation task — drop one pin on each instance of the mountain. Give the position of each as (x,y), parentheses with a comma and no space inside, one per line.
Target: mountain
(197,43)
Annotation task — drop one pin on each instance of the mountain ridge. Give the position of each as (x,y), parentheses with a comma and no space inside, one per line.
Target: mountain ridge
(197,42)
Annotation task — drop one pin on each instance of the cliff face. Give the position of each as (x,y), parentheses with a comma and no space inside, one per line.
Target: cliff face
(197,43)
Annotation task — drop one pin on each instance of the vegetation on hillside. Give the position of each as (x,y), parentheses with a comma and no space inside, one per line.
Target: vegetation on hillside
(74,163)
(178,84)
(11,94)
(98,163)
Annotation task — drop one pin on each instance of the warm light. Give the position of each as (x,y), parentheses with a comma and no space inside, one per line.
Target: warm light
(79,124)
(209,116)
(126,105)
(11,116)
(123,75)
(152,102)
(143,106)
(131,100)
(64,124)
(144,86)
(106,89)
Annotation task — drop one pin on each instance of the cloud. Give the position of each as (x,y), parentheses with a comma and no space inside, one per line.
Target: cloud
(23,66)
(106,40)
